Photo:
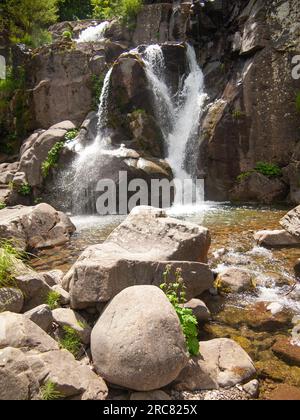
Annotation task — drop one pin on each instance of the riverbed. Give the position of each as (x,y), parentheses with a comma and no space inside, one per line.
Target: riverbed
(232,230)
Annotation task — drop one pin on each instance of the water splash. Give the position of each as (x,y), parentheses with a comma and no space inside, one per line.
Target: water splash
(93,33)
(178,115)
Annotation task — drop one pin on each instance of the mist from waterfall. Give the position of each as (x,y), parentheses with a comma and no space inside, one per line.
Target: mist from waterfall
(178,115)
(93,33)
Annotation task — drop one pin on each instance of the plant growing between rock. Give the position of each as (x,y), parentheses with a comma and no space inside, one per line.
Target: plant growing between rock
(11,263)
(49,392)
(71,341)
(175,292)
(25,189)
(52,300)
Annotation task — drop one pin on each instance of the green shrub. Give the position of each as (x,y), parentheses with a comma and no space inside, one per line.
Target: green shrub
(49,392)
(2,205)
(71,134)
(11,263)
(125,10)
(25,189)
(270,170)
(244,175)
(52,158)
(52,300)
(175,292)
(67,35)
(71,341)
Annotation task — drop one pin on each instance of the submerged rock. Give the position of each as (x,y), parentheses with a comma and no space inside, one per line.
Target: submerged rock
(234,280)
(138,342)
(287,351)
(284,392)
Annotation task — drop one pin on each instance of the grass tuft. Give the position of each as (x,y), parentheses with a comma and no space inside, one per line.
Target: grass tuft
(49,392)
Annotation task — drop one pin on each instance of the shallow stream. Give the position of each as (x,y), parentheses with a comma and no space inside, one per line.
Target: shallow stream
(232,230)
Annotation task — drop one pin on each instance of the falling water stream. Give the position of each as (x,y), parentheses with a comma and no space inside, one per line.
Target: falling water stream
(93,33)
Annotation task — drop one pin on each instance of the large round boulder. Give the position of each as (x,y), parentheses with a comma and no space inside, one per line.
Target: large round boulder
(138,342)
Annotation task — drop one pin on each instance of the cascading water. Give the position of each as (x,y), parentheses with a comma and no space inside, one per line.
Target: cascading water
(179,117)
(86,166)
(93,33)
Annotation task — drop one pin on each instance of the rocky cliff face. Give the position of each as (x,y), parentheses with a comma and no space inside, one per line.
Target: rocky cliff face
(245,49)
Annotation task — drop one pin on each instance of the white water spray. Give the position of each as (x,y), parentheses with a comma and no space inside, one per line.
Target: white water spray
(93,33)
(179,118)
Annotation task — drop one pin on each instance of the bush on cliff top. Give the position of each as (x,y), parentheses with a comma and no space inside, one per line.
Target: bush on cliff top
(126,10)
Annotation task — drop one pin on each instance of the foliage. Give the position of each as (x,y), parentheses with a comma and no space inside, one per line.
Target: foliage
(175,292)
(2,205)
(49,392)
(271,170)
(26,21)
(125,10)
(71,134)
(25,189)
(11,262)
(71,341)
(74,10)
(52,300)
(244,175)
(52,158)
(298,102)
(67,35)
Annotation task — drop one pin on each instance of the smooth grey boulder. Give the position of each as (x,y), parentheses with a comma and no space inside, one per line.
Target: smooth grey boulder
(138,342)
(222,363)
(11,299)
(41,316)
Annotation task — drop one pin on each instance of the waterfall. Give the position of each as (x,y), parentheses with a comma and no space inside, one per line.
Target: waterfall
(178,116)
(93,33)
(86,166)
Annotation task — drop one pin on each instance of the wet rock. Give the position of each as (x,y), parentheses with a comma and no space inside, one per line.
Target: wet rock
(291,222)
(234,280)
(68,318)
(221,363)
(287,351)
(259,188)
(35,227)
(200,310)
(41,316)
(272,368)
(284,392)
(11,299)
(150,396)
(256,316)
(276,238)
(127,345)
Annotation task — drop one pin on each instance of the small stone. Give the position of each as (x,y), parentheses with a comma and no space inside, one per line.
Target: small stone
(200,310)
(69,318)
(234,280)
(252,388)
